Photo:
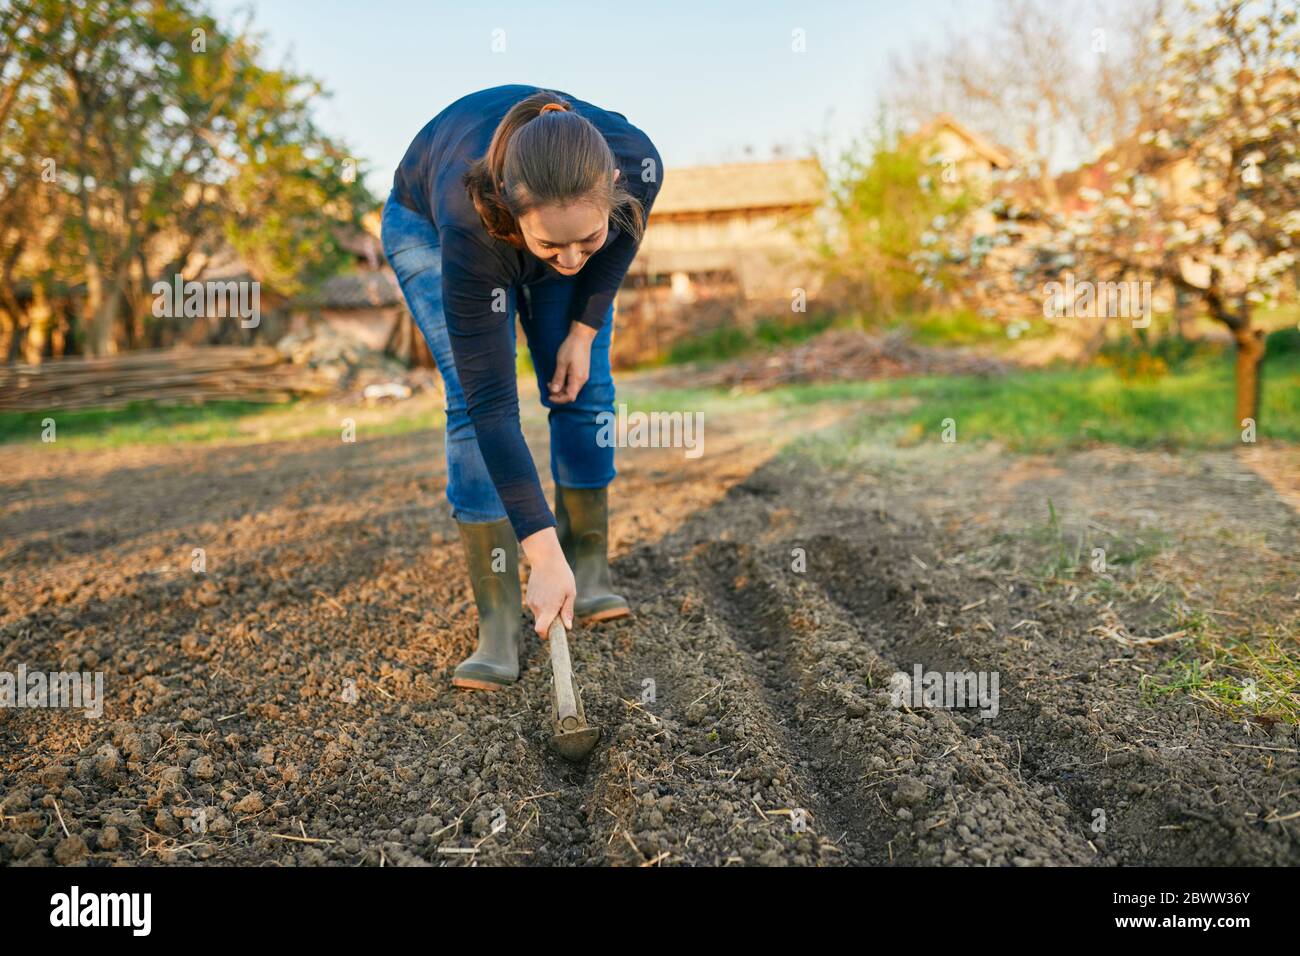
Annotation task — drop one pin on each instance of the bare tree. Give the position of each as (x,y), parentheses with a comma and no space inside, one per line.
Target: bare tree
(1054,81)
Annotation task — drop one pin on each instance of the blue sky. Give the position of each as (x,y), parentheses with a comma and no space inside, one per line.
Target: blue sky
(703,79)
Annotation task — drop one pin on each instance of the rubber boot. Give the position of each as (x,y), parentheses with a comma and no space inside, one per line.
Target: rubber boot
(582,523)
(495,662)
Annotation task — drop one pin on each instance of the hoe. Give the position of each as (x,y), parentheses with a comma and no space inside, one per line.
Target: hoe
(573,738)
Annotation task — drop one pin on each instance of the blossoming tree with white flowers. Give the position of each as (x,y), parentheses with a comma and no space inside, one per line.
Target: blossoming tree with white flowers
(1204,198)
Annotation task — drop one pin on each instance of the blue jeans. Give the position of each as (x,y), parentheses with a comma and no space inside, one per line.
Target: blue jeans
(577,459)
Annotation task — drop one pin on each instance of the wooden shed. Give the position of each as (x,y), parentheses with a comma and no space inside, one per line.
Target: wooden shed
(722,246)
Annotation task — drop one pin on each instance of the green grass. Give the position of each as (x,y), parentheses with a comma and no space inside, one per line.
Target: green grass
(1254,675)
(137,423)
(948,328)
(1171,394)
(1188,404)
(732,341)
(1042,411)
(958,327)
(149,423)
(1068,556)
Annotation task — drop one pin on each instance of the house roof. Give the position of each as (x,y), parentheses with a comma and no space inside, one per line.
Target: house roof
(986,148)
(736,186)
(362,244)
(1128,154)
(357,290)
(652,261)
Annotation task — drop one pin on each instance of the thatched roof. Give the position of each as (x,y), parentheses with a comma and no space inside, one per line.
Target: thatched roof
(734,186)
(358,290)
(662,261)
(996,156)
(362,244)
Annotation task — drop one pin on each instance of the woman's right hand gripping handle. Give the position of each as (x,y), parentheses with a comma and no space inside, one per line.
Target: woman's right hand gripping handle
(551,588)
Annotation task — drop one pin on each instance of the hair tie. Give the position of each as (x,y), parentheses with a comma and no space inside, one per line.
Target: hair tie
(550,107)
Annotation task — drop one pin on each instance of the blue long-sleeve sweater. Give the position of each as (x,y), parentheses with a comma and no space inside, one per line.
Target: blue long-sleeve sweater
(475,265)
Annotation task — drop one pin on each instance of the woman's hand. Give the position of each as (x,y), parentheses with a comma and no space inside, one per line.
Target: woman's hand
(551,588)
(572,364)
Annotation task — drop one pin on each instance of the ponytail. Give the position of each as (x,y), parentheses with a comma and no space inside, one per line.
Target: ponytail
(533,161)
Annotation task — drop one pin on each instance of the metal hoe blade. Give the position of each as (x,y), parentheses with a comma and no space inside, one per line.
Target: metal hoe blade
(573,738)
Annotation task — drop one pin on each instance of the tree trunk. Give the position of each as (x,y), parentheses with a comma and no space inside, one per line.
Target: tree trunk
(11,327)
(1183,315)
(90,309)
(1250,359)
(103,308)
(38,331)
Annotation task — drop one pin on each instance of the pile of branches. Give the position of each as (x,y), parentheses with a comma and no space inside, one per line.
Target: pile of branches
(179,375)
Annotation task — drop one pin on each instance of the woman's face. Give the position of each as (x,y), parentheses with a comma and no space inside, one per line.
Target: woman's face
(565,237)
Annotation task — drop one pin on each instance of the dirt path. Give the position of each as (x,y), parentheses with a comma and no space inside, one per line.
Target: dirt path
(291,704)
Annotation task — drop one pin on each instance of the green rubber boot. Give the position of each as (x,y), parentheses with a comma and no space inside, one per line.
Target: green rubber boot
(492,558)
(582,523)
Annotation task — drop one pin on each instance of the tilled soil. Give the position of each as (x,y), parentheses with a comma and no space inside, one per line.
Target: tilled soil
(291,704)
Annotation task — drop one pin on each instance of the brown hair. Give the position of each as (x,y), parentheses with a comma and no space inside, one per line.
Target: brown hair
(536,160)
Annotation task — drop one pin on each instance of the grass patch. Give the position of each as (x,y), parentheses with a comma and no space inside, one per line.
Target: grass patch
(960,327)
(731,341)
(1190,406)
(957,327)
(137,423)
(1187,404)
(1068,556)
(148,423)
(1256,676)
